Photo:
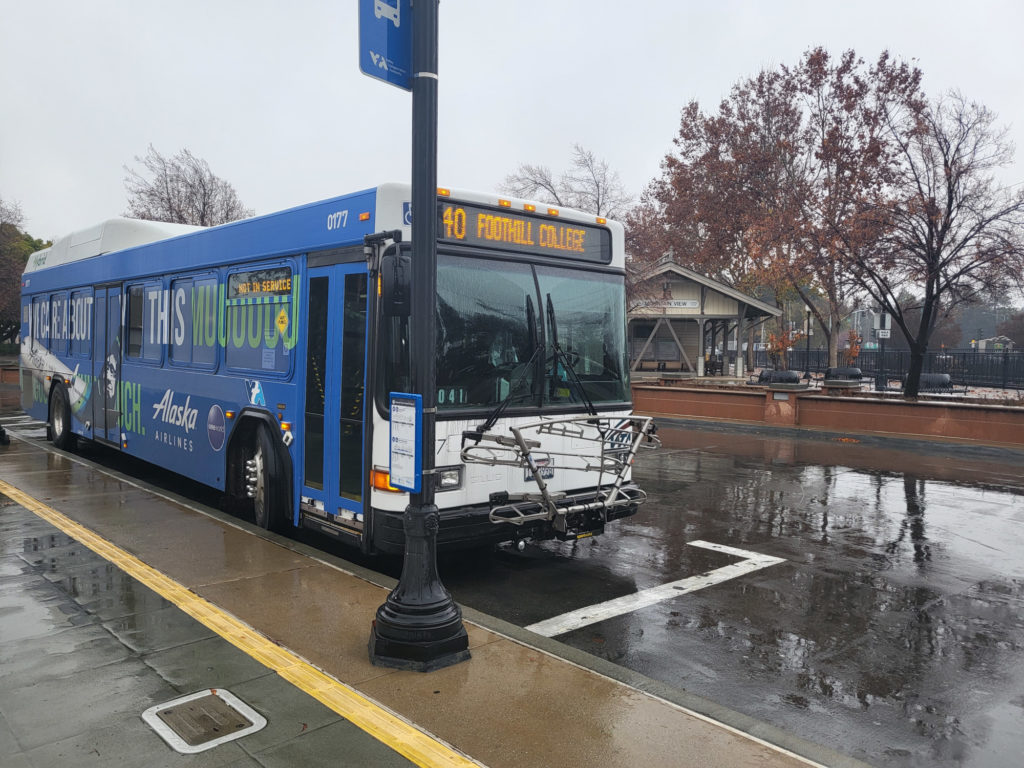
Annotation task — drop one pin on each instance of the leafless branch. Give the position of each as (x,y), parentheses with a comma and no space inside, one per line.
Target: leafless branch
(180,189)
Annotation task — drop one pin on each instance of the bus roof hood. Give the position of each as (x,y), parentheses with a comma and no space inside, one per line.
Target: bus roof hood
(111,235)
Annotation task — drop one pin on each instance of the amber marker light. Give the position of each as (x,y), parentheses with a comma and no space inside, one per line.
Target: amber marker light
(504,203)
(229,414)
(552,211)
(529,207)
(365,216)
(444,192)
(381,481)
(601,220)
(286,426)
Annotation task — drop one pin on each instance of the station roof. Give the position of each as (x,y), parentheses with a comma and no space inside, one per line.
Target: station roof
(755,308)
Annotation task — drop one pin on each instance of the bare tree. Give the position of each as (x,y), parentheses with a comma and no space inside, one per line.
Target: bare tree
(181,189)
(10,214)
(11,267)
(590,185)
(946,231)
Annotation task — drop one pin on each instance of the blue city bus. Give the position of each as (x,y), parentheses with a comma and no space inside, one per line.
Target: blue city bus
(258,358)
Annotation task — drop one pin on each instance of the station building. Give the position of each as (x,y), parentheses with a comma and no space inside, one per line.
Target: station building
(687,324)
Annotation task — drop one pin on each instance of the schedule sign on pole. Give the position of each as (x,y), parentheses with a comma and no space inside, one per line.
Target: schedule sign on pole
(406,450)
(385,41)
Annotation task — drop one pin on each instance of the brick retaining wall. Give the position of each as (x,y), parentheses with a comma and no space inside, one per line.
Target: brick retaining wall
(990,424)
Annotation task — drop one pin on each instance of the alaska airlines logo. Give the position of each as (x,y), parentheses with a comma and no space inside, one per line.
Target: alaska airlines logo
(168,412)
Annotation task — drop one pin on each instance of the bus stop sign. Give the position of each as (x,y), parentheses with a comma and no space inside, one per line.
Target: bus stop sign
(385,41)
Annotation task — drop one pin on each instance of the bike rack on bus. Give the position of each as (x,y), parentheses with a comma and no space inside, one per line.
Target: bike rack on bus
(616,439)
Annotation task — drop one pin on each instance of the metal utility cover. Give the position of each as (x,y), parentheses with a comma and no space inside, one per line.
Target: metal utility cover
(202,720)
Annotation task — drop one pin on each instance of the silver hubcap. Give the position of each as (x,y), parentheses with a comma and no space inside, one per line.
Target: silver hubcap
(257,481)
(58,419)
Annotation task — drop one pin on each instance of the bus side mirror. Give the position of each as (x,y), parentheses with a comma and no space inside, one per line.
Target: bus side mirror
(395,282)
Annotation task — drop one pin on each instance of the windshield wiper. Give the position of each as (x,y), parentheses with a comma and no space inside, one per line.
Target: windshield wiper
(561,355)
(492,419)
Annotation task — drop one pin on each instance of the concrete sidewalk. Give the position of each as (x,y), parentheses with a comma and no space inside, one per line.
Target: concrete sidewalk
(85,649)
(522,701)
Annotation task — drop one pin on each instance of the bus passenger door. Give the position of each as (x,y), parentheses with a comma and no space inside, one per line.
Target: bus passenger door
(333,465)
(106,364)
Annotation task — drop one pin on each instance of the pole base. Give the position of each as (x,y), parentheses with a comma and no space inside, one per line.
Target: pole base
(424,655)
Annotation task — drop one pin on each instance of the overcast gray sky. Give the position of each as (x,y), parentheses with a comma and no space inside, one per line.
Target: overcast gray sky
(270,94)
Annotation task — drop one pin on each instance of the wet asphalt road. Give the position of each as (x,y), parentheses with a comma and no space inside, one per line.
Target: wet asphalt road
(893,631)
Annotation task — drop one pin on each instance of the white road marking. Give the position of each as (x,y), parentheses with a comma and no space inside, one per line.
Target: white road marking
(752,561)
(17,419)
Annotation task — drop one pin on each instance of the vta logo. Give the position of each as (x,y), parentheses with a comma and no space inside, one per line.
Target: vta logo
(255,390)
(620,437)
(379,61)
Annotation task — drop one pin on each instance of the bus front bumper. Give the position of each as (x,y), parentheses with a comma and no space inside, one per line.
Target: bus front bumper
(471,526)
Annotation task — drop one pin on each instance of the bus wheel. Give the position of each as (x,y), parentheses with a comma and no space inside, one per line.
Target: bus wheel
(60,420)
(262,483)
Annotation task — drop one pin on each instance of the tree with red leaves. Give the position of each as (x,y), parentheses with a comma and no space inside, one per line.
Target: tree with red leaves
(754,194)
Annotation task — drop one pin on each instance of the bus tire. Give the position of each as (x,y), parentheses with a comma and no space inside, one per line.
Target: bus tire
(263,476)
(60,419)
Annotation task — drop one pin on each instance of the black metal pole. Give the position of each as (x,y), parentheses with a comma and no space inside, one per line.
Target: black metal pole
(419,626)
(807,353)
(880,376)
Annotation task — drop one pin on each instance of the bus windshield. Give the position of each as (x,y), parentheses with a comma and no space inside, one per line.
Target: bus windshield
(492,316)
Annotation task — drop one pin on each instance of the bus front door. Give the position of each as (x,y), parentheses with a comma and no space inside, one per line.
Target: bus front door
(106,365)
(333,463)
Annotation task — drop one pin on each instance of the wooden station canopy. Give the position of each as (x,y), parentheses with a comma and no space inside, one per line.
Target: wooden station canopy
(688,329)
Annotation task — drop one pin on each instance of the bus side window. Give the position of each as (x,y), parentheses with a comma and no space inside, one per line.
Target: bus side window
(135,315)
(58,323)
(204,307)
(259,320)
(155,322)
(181,336)
(80,322)
(40,322)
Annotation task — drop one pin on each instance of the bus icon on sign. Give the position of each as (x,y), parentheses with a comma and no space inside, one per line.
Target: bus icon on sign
(384,9)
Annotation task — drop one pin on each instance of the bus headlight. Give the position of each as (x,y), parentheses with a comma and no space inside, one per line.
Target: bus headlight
(449,478)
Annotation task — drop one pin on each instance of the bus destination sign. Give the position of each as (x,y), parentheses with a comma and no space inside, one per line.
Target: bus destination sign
(523,232)
(261,283)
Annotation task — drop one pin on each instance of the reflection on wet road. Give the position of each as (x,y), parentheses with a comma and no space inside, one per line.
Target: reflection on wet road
(893,633)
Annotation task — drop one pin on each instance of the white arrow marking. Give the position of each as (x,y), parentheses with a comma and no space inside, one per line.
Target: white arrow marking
(752,561)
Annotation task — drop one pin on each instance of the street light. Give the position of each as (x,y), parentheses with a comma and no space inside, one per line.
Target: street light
(807,355)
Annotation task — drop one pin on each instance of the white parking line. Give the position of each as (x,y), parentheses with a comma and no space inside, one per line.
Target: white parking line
(752,561)
(17,419)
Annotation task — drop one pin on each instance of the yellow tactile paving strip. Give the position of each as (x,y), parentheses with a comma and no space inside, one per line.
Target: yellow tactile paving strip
(385,726)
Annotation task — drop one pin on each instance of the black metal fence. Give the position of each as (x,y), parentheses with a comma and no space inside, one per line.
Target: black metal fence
(1003,369)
